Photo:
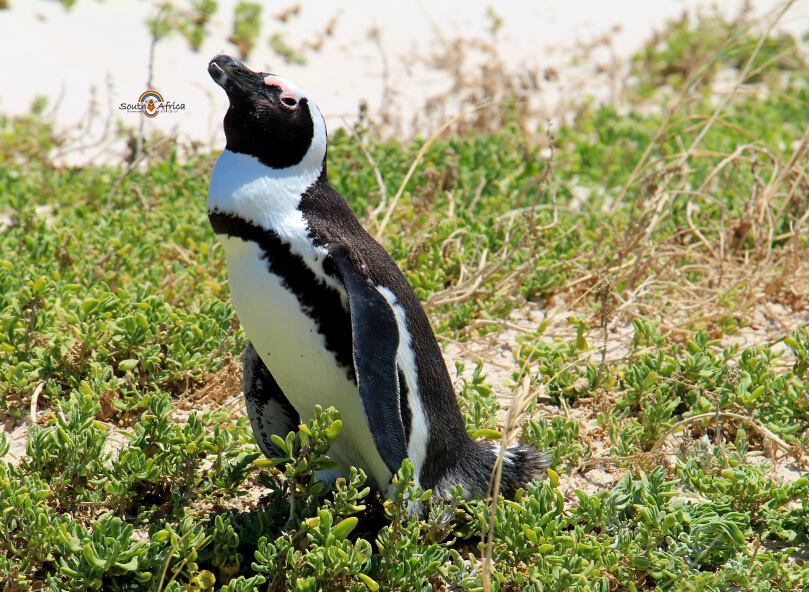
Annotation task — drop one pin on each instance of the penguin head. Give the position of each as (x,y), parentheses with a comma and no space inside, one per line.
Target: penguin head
(269,117)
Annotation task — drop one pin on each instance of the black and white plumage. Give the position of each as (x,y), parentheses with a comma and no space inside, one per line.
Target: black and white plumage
(331,319)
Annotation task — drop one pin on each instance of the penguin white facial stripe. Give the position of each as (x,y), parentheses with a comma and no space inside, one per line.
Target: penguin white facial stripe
(420,427)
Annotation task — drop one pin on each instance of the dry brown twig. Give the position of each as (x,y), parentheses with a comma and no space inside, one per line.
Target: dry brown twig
(144,154)
(765,264)
(768,435)
(748,420)
(515,414)
(681,99)
(383,190)
(433,137)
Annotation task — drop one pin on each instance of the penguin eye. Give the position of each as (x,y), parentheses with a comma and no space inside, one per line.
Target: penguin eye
(289,101)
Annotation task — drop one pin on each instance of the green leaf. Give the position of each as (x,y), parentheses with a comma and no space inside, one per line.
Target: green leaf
(581,342)
(345,527)
(642,563)
(369,583)
(38,286)
(205,579)
(61,436)
(89,305)
(301,467)
(737,535)
(324,464)
(69,572)
(483,389)
(267,463)
(278,441)
(127,365)
(130,565)
(669,521)
(91,557)
(334,429)
(161,536)
(489,434)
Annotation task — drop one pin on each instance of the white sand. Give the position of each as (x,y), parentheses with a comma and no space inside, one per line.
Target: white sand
(50,51)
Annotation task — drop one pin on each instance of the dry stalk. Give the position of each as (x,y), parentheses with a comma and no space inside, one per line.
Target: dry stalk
(515,414)
(681,99)
(185,560)
(168,560)
(35,399)
(741,78)
(791,165)
(688,210)
(768,435)
(381,227)
(748,420)
(383,191)
(726,271)
(607,312)
(484,272)
(601,459)
(661,199)
(478,193)
(132,166)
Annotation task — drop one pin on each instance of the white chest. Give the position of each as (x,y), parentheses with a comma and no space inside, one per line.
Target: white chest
(295,353)
(286,336)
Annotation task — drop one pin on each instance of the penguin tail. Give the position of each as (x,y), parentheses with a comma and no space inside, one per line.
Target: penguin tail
(522,463)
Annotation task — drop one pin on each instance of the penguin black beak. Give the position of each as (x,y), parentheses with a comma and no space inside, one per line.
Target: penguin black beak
(232,75)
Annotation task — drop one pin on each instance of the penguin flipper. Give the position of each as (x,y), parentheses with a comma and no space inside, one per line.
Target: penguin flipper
(375,342)
(267,407)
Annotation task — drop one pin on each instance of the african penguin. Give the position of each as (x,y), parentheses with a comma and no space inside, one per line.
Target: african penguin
(330,318)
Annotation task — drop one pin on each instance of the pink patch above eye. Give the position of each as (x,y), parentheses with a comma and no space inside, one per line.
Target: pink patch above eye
(286,91)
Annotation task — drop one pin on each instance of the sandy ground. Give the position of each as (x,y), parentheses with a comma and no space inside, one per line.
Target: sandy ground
(99,51)
(497,351)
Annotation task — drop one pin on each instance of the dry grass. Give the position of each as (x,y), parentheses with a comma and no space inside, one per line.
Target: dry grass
(657,286)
